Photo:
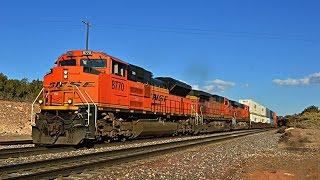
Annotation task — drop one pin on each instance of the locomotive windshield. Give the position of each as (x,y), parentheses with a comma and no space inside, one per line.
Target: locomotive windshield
(97,63)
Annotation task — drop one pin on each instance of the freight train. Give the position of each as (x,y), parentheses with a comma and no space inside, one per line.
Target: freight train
(90,96)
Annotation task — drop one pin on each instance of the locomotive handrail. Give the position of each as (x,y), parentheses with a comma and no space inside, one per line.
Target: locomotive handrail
(86,102)
(31,119)
(196,115)
(95,108)
(201,117)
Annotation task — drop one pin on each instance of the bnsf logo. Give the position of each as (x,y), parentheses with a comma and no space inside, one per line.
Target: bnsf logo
(71,84)
(118,85)
(158,97)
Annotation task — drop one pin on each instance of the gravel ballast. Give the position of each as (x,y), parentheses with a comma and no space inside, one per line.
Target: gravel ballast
(221,160)
(107,147)
(256,156)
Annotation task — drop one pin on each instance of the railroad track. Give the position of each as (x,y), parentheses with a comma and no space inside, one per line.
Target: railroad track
(16,142)
(31,151)
(28,151)
(52,168)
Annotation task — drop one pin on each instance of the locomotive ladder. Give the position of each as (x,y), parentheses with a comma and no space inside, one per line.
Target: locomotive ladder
(198,118)
(32,106)
(95,110)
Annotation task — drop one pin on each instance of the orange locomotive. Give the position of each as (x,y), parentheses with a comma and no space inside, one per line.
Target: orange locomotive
(90,96)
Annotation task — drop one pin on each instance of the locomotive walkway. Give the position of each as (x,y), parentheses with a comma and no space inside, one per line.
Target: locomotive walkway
(52,168)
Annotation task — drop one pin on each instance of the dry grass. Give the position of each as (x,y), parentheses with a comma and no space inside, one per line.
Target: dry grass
(305,120)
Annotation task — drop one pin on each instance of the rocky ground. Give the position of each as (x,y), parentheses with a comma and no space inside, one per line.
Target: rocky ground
(258,156)
(14,120)
(290,154)
(97,148)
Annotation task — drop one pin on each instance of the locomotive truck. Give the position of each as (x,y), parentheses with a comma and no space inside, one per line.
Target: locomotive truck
(91,96)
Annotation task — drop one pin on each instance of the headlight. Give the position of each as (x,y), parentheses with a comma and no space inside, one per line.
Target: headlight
(65,72)
(65,76)
(69,101)
(40,101)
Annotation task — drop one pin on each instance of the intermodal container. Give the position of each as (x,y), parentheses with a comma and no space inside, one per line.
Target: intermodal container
(254,107)
(268,113)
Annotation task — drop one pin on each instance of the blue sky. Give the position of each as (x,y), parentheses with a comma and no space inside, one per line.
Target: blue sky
(264,50)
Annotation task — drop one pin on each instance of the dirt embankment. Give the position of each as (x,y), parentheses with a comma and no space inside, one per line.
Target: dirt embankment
(301,139)
(297,157)
(15,118)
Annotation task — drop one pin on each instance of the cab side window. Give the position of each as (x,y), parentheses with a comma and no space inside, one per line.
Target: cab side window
(118,68)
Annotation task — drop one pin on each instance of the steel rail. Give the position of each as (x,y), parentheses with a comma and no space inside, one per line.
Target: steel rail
(29,151)
(16,142)
(52,168)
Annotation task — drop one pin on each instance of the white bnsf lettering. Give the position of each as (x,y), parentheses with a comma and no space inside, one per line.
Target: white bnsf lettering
(158,97)
(117,85)
(71,84)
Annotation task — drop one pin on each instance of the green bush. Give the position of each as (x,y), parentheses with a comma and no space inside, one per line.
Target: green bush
(18,90)
(310,109)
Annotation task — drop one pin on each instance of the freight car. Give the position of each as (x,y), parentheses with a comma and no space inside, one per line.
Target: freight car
(91,96)
(260,116)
